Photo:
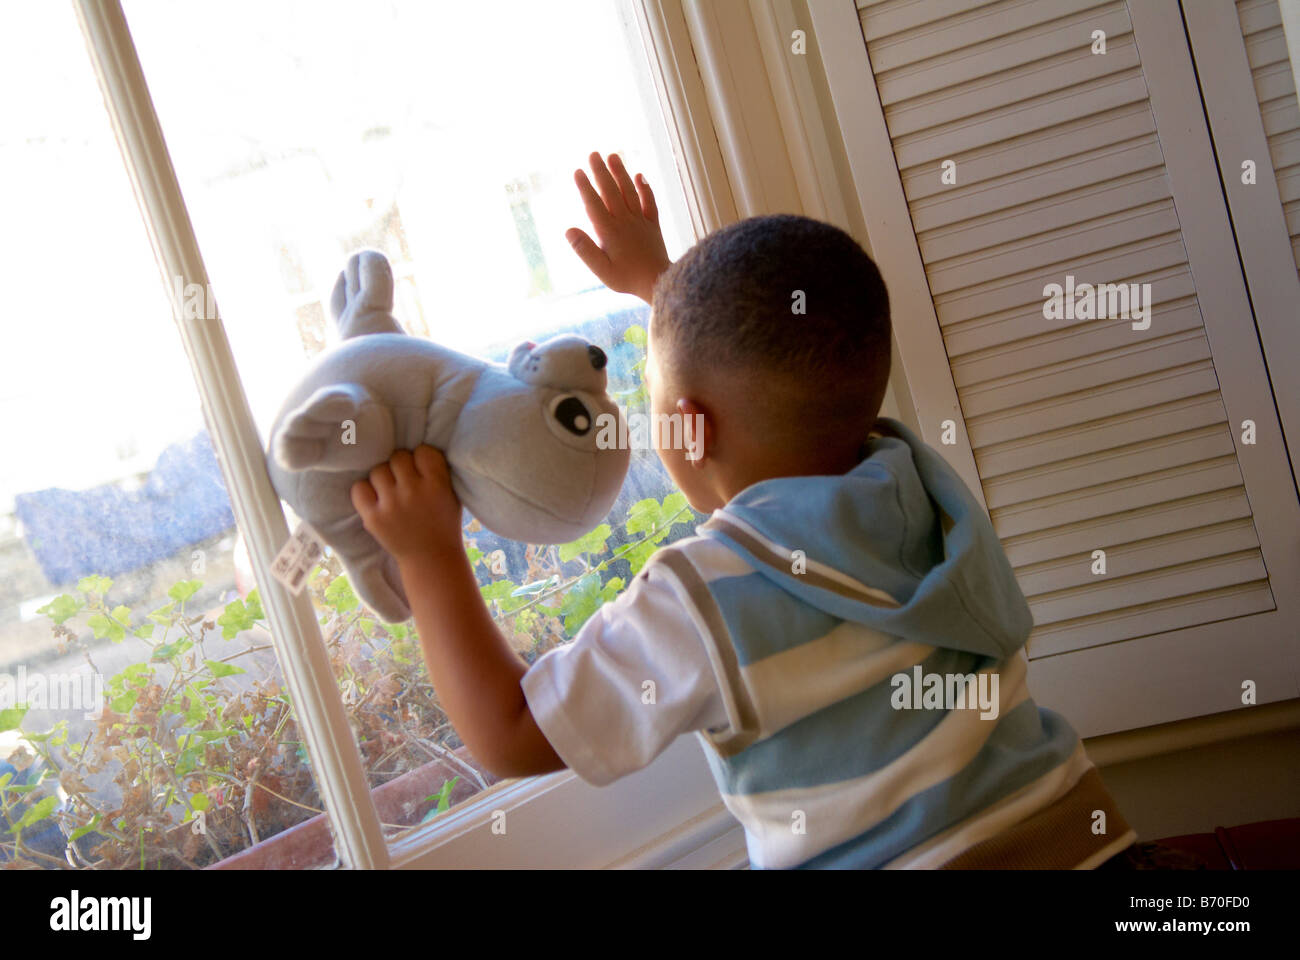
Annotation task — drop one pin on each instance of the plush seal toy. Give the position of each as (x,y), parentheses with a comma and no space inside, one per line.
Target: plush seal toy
(521,439)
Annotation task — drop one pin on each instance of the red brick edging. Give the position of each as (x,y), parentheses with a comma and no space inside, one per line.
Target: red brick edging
(309,845)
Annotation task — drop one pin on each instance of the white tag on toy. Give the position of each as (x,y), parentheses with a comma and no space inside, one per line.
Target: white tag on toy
(297,557)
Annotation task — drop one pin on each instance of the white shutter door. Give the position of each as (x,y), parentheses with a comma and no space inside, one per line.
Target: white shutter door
(1248,85)
(1086,434)
(1273,83)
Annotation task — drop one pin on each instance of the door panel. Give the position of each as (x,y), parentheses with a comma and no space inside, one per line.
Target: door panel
(1086,433)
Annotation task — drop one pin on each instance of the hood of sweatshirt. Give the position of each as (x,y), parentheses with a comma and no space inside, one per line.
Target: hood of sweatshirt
(898,544)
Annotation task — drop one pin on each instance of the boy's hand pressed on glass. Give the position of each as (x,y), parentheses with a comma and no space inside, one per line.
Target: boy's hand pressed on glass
(408,505)
(631,252)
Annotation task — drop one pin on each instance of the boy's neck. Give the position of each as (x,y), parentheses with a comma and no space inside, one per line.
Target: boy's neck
(769,465)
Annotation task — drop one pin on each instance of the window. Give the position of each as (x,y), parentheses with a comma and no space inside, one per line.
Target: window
(424,130)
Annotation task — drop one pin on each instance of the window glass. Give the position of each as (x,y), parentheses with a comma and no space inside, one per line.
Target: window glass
(142,719)
(445,135)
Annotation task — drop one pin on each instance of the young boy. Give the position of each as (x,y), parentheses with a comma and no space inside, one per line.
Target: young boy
(844,634)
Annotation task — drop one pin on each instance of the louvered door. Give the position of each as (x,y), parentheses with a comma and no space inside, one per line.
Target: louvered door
(1273,86)
(1085,435)
(1248,86)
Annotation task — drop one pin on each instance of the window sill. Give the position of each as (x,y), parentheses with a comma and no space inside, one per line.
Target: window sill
(665,816)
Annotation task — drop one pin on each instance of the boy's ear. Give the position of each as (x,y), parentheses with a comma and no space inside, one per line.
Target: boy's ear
(697,431)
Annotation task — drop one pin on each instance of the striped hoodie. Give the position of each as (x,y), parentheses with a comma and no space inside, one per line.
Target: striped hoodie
(853,623)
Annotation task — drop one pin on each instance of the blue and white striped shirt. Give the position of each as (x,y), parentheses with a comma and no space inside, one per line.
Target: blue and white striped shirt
(850,652)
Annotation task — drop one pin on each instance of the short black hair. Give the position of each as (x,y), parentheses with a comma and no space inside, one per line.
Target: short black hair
(735,300)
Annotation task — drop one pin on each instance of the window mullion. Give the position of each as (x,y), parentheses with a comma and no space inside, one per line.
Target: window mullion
(691,127)
(336,761)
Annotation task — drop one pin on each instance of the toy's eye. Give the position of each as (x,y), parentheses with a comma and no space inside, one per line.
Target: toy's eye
(573,416)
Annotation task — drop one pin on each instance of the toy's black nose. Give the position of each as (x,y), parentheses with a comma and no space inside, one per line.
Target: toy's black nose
(597,356)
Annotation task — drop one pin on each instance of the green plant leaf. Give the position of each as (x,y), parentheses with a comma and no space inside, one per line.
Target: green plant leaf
(207,736)
(61,608)
(35,813)
(182,590)
(643,516)
(585,598)
(163,615)
(498,590)
(339,595)
(635,335)
(144,631)
(94,584)
(11,718)
(197,709)
(220,669)
(138,674)
(674,502)
(512,603)
(592,542)
(104,627)
(640,555)
(125,702)
(253,604)
(526,621)
(82,831)
(443,796)
(237,617)
(188,761)
(170,651)
(56,735)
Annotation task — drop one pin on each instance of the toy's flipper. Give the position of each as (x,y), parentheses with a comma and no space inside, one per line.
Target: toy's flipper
(341,427)
(362,302)
(379,585)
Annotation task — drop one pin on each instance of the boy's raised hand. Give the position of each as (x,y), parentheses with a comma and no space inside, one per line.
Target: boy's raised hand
(631,253)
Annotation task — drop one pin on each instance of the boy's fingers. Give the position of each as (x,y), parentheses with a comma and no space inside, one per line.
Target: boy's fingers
(609,190)
(625,185)
(403,466)
(381,478)
(649,209)
(363,496)
(596,259)
(591,202)
(430,463)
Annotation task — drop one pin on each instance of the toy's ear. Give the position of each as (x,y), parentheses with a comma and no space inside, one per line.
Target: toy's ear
(566,362)
(362,301)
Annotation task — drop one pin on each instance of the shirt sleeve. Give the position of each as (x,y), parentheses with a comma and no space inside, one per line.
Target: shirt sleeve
(592,698)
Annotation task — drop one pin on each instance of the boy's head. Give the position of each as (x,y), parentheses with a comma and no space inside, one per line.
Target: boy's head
(774,334)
